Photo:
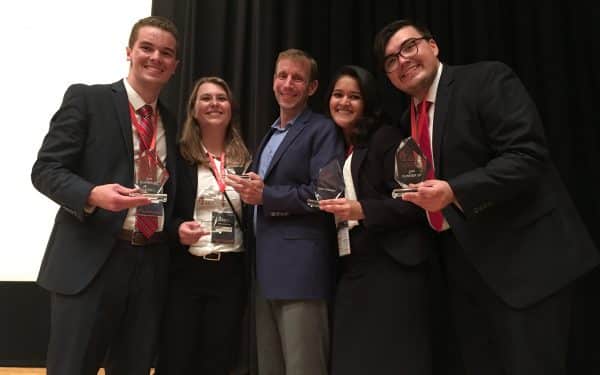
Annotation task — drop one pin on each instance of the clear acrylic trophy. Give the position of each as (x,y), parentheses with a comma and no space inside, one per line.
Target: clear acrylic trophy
(330,183)
(410,167)
(151,176)
(239,168)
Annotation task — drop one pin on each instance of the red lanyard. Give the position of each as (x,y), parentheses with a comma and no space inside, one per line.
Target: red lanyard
(140,128)
(349,151)
(415,130)
(218,174)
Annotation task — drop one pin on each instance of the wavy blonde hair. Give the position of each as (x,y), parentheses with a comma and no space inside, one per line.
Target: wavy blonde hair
(190,143)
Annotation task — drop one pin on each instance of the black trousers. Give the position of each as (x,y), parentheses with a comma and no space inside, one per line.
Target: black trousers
(381,320)
(114,322)
(497,339)
(201,331)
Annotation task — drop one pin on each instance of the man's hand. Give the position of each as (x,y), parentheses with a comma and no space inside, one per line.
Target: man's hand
(190,232)
(344,209)
(250,190)
(115,197)
(431,195)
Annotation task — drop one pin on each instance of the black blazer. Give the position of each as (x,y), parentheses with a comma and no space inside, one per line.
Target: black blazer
(517,225)
(89,143)
(183,210)
(183,207)
(398,227)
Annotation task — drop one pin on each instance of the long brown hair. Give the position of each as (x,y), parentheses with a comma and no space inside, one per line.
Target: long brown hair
(190,144)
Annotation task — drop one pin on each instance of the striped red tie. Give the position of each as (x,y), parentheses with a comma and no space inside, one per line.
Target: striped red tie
(145,223)
(436,219)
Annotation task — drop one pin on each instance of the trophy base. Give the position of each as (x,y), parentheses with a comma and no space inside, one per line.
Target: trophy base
(313,203)
(397,193)
(154,197)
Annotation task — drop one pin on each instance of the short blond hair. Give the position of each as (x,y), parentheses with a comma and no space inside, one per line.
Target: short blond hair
(298,54)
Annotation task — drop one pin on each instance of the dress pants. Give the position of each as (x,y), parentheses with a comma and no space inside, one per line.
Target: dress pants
(497,339)
(114,321)
(201,331)
(292,336)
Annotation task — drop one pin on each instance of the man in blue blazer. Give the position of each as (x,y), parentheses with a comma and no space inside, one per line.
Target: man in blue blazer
(294,244)
(511,240)
(106,268)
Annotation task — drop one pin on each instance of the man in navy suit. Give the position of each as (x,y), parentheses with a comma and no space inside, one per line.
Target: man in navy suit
(511,240)
(105,266)
(294,244)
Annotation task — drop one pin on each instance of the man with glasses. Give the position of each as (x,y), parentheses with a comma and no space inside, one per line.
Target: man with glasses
(510,239)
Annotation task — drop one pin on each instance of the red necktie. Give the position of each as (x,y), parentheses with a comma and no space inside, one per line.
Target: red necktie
(144,223)
(436,219)
(146,130)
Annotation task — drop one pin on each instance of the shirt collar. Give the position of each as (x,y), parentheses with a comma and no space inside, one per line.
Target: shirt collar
(135,99)
(277,122)
(431,94)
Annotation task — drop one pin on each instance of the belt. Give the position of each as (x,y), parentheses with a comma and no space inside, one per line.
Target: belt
(213,257)
(138,239)
(218,256)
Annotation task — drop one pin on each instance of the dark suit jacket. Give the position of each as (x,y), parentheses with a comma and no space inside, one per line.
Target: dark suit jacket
(517,225)
(183,208)
(295,243)
(398,227)
(89,143)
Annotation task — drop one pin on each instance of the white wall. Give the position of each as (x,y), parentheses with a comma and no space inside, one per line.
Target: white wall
(47,45)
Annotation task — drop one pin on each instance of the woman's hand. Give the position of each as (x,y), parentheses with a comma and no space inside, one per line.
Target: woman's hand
(342,208)
(190,232)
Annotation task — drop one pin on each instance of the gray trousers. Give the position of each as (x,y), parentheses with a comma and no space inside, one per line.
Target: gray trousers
(292,336)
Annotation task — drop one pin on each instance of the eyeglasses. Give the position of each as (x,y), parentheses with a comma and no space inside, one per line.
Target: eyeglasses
(407,49)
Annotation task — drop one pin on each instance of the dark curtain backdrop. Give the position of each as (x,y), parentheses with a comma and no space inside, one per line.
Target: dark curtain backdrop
(550,44)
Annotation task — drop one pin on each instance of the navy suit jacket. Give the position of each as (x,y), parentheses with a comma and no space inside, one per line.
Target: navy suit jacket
(89,143)
(517,225)
(295,244)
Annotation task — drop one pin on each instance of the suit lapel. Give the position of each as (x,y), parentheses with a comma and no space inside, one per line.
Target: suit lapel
(122,109)
(441,110)
(190,181)
(358,157)
(293,132)
(256,161)
(170,127)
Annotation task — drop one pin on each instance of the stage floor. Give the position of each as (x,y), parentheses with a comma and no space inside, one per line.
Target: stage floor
(32,371)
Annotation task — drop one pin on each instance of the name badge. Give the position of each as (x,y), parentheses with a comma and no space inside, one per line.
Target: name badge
(343,237)
(223,224)
(152,209)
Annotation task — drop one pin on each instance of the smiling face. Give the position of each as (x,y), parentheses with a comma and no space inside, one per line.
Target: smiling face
(292,85)
(346,103)
(212,108)
(415,74)
(152,57)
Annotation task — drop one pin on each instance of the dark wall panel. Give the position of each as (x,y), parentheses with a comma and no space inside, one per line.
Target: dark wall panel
(24,324)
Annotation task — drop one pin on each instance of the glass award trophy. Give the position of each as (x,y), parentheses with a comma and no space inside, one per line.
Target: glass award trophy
(215,216)
(206,226)
(239,168)
(330,183)
(410,166)
(151,176)
(209,196)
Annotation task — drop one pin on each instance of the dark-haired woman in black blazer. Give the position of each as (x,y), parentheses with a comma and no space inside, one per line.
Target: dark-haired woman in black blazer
(381,315)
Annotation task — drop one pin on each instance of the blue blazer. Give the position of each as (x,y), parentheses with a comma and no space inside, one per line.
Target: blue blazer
(295,245)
